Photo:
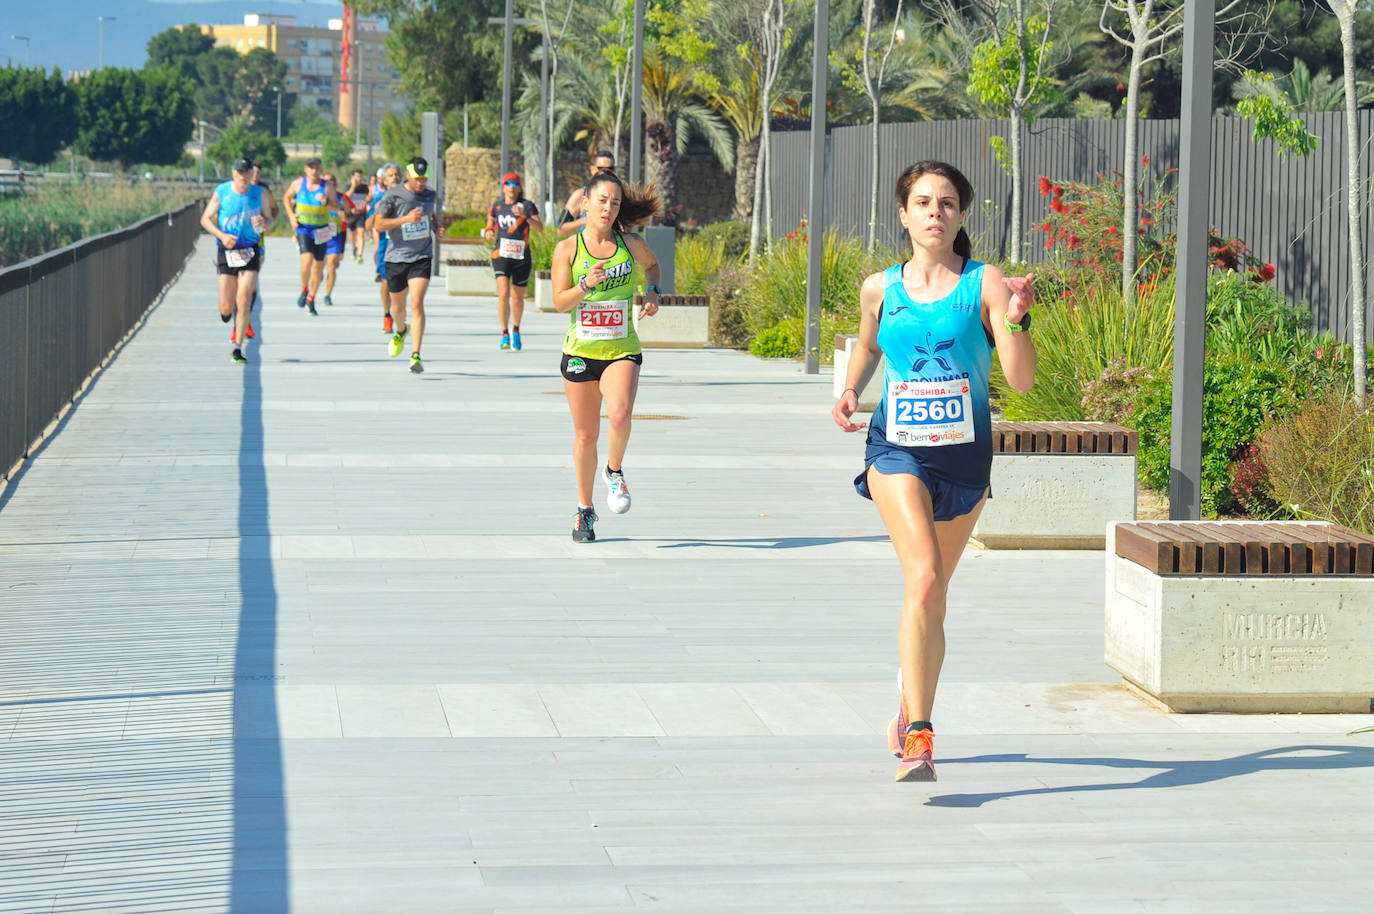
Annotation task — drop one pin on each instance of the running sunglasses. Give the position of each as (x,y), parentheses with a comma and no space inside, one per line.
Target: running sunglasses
(511,184)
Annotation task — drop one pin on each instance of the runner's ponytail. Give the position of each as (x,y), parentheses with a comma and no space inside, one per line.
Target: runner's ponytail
(963,245)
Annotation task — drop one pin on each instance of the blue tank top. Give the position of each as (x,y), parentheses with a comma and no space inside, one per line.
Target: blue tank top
(236,211)
(935,392)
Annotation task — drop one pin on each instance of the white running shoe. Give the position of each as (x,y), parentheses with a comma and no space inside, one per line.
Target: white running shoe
(618,493)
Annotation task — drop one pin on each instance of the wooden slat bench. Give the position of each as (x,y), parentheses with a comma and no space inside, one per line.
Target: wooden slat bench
(1243,615)
(1056,485)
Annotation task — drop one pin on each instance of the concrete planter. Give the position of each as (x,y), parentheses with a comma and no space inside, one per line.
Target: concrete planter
(1253,642)
(873,390)
(682,322)
(1056,501)
(468,278)
(543,291)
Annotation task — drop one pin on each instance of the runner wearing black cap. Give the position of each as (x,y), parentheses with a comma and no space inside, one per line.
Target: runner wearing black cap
(237,215)
(407,215)
(509,221)
(308,202)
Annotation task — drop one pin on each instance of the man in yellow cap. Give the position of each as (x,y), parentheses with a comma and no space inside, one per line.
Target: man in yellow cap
(407,215)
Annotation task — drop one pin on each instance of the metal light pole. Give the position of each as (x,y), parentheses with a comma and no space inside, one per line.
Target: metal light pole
(278,88)
(103,20)
(510,22)
(637,95)
(1190,323)
(505,88)
(543,170)
(815,230)
(28,51)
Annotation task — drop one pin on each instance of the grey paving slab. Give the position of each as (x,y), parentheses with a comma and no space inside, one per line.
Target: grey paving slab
(311,635)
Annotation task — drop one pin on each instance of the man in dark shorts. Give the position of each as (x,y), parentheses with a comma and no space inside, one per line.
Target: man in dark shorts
(509,221)
(308,202)
(237,216)
(359,193)
(407,215)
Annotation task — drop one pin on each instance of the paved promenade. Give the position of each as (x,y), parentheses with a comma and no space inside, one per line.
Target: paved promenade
(311,635)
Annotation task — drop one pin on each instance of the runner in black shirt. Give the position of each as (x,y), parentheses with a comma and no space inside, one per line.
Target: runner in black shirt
(508,224)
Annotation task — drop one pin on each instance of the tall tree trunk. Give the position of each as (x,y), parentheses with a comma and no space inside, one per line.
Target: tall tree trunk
(660,166)
(746,163)
(1130,174)
(1345,15)
(1014,252)
(760,170)
(873,190)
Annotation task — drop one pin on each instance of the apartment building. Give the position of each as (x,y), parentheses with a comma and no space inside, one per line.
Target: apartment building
(314,58)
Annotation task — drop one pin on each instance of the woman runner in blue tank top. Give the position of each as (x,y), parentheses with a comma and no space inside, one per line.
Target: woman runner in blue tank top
(935,319)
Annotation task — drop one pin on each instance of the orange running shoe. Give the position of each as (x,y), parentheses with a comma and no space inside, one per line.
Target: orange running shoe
(917,763)
(386,324)
(249,332)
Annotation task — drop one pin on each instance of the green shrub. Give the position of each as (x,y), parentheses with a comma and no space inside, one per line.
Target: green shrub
(774,290)
(1239,398)
(785,341)
(1252,320)
(733,236)
(695,260)
(1077,337)
(1320,462)
(542,244)
(467,227)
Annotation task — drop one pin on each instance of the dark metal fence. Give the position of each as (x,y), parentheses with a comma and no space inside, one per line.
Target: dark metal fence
(1290,211)
(62,315)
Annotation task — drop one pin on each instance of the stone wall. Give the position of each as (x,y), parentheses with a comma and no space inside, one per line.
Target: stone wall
(472,181)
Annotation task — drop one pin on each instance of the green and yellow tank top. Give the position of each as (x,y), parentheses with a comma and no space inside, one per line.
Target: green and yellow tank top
(602,327)
(312,208)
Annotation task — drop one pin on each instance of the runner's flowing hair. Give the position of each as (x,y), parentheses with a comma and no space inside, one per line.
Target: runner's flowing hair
(638,203)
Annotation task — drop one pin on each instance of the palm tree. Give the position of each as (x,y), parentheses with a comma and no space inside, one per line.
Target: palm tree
(672,112)
(738,103)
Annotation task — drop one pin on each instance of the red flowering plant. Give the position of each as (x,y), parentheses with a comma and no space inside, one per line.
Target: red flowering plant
(1084,227)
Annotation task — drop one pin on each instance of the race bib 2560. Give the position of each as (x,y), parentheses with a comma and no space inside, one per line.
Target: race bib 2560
(929,413)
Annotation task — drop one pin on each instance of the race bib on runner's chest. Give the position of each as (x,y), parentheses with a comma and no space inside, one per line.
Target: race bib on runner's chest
(238,257)
(929,413)
(323,233)
(513,248)
(602,320)
(410,231)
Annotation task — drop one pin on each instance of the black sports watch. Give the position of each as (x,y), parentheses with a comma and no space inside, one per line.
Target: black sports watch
(1020,326)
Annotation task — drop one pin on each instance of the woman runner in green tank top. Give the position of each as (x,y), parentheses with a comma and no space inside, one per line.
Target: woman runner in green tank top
(593,281)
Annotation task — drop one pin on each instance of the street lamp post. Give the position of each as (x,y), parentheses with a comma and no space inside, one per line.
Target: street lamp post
(28,51)
(278,88)
(103,19)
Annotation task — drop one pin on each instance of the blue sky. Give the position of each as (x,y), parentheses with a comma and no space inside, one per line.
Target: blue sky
(68,35)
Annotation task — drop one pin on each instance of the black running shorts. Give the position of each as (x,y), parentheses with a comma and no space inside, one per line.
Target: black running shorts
(518,271)
(306,242)
(399,275)
(579,368)
(222,267)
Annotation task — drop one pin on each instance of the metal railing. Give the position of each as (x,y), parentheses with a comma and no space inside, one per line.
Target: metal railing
(63,314)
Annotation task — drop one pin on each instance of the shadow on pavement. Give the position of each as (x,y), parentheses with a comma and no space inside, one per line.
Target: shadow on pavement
(776,542)
(1170,774)
(259,868)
